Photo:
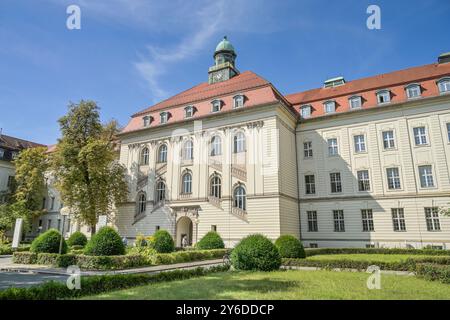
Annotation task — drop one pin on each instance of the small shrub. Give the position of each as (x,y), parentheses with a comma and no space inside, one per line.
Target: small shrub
(163,242)
(106,242)
(211,240)
(48,242)
(77,239)
(290,247)
(434,272)
(24,257)
(256,252)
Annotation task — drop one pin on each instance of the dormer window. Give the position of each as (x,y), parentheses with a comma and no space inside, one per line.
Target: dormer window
(216,105)
(413,91)
(238,101)
(305,111)
(444,85)
(330,106)
(164,116)
(383,96)
(189,112)
(147,121)
(355,102)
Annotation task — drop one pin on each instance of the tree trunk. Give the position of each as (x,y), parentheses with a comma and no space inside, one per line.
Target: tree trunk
(93,229)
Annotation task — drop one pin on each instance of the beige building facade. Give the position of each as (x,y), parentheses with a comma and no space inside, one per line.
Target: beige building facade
(363,163)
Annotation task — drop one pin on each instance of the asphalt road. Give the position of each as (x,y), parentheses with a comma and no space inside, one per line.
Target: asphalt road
(19,280)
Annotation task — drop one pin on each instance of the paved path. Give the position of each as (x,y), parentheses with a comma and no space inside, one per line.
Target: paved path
(13,275)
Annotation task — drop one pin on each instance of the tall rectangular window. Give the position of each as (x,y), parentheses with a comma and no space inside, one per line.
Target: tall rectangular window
(355,102)
(49,224)
(367,220)
(310,184)
(312,221)
(335,180)
(363,180)
(388,139)
(398,219)
(393,178)
(338,217)
(307,149)
(448,131)
(333,149)
(360,143)
(420,136)
(432,218)
(330,106)
(164,116)
(52,203)
(426,177)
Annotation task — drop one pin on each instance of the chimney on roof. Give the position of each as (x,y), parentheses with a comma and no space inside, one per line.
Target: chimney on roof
(334,82)
(444,58)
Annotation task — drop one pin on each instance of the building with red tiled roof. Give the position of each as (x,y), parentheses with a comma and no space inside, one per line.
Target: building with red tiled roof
(363,163)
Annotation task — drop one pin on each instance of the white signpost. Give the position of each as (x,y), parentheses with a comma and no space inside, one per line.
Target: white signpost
(17,233)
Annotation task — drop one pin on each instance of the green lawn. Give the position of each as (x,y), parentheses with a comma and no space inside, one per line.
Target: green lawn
(286,285)
(367,257)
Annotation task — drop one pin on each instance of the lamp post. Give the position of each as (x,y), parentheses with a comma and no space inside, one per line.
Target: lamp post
(65,211)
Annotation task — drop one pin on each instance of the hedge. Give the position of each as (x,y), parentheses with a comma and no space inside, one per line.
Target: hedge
(434,272)
(115,262)
(92,285)
(406,265)
(6,249)
(429,252)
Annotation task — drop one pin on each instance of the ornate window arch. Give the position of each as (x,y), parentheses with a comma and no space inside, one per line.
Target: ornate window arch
(240,197)
(162,153)
(186,182)
(141,203)
(239,142)
(216,145)
(188,150)
(144,158)
(160,191)
(215,186)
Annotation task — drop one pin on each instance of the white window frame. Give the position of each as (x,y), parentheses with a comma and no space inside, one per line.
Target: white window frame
(426,176)
(145,156)
(360,144)
(216,187)
(393,178)
(336,181)
(413,91)
(432,219)
(367,220)
(444,83)
(339,220)
(186,183)
(333,147)
(238,101)
(216,146)
(388,140)
(307,149)
(240,198)
(216,106)
(385,94)
(313,225)
(164,117)
(239,142)
(142,203)
(310,186)
(188,150)
(305,111)
(398,219)
(147,121)
(420,136)
(363,180)
(188,112)
(330,104)
(352,100)
(162,153)
(160,191)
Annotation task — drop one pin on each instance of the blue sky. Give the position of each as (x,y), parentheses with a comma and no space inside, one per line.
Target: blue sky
(130,54)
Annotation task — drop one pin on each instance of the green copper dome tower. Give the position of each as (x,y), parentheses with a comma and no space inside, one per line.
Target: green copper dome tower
(224,57)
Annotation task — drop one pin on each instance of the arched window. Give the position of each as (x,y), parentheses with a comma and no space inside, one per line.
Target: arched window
(186,183)
(216,187)
(238,101)
(239,142)
(444,85)
(188,150)
(142,203)
(216,146)
(160,191)
(162,154)
(144,156)
(239,198)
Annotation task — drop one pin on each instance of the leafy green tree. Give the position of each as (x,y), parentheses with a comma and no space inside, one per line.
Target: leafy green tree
(90,180)
(29,188)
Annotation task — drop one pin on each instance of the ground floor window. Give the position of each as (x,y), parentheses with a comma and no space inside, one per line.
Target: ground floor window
(432,218)
(312,221)
(398,219)
(240,198)
(367,220)
(338,217)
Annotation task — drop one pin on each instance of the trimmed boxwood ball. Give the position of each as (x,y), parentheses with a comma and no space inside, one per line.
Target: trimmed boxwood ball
(256,252)
(48,242)
(290,247)
(163,242)
(106,242)
(211,240)
(77,239)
